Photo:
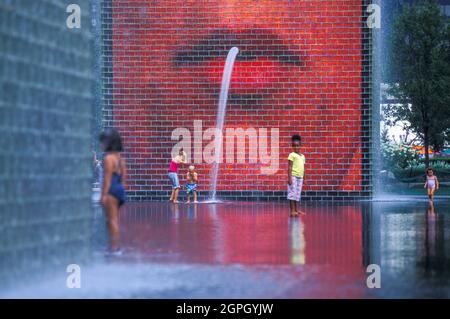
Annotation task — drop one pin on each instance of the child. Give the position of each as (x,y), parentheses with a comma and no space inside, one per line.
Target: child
(431,184)
(296,173)
(191,185)
(173,174)
(114,183)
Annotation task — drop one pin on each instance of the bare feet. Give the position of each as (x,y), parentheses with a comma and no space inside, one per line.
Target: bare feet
(188,202)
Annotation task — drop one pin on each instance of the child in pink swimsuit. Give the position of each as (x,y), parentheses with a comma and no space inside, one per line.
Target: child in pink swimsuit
(431,184)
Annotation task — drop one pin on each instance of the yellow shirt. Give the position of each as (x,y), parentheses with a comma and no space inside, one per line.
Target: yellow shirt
(298,164)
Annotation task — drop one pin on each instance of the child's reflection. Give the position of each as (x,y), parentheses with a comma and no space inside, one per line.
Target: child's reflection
(297,241)
(430,235)
(175,210)
(192,211)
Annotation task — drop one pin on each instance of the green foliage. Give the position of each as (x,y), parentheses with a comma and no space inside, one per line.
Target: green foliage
(438,160)
(396,156)
(417,172)
(421,73)
(406,165)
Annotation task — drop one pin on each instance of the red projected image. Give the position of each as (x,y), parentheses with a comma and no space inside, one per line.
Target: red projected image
(298,71)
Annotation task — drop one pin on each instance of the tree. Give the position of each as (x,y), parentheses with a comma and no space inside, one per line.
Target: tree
(421,73)
(385,136)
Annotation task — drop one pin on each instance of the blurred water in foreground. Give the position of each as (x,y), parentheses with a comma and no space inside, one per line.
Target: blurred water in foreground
(253,250)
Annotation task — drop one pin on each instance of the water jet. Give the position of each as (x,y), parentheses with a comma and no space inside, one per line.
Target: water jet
(221,111)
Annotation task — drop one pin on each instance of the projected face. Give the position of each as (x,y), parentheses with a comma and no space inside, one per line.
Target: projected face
(298,71)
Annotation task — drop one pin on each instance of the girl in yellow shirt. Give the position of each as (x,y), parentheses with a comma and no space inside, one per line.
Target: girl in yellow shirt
(296,172)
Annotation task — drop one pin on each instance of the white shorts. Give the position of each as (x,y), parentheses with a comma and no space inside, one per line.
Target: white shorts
(295,189)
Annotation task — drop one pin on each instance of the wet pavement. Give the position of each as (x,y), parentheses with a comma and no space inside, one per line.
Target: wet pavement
(254,250)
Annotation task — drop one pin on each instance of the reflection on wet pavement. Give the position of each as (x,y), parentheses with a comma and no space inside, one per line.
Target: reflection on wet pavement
(254,250)
(244,233)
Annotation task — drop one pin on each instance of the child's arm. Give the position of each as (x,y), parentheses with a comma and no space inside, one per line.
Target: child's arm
(107,175)
(426,182)
(195,178)
(304,170)
(123,172)
(290,172)
(437,182)
(183,158)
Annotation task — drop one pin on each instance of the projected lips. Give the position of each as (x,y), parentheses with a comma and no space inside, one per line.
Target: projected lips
(263,58)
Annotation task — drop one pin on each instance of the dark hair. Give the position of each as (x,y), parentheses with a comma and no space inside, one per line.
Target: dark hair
(296,138)
(111,140)
(429,169)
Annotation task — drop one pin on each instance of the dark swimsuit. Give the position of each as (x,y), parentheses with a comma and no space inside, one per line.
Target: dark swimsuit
(116,189)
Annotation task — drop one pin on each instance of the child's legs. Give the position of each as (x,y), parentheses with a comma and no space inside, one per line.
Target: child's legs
(175,186)
(188,196)
(112,220)
(292,206)
(195,196)
(293,195)
(431,193)
(175,194)
(291,191)
(299,187)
